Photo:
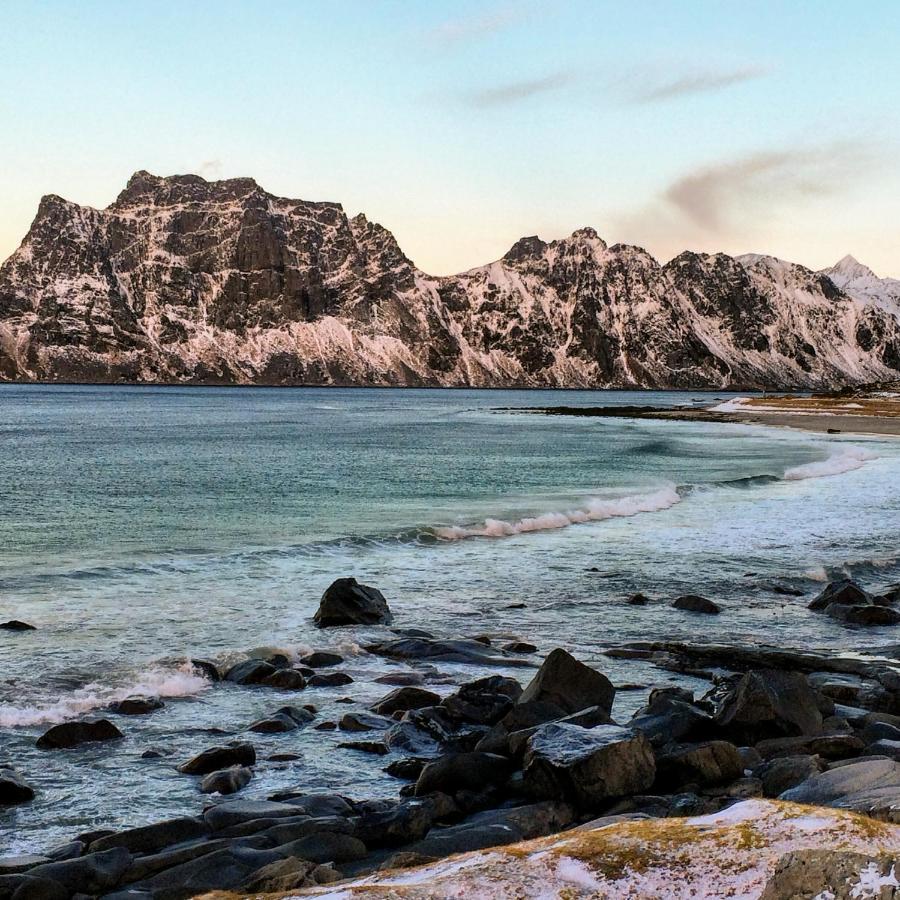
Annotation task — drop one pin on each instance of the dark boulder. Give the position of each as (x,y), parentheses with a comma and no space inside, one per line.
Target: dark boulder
(464,651)
(16,625)
(587,766)
(226,781)
(455,772)
(863,615)
(768,703)
(519,647)
(347,602)
(364,721)
(403,699)
(219,758)
(844,592)
(569,684)
(710,763)
(409,767)
(668,718)
(250,671)
(13,787)
(484,701)
(697,604)
(238,812)
(72,734)
(329,679)
(638,599)
(779,775)
(206,669)
(391,823)
(324,847)
(152,838)
(96,873)
(136,706)
(288,718)
(320,659)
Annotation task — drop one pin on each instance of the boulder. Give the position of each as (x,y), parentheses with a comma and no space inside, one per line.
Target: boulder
(569,684)
(347,602)
(401,679)
(96,873)
(637,599)
(767,703)
(250,671)
(16,625)
(285,680)
(136,706)
(519,647)
(206,669)
(17,865)
(831,874)
(391,823)
(288,875)
(463,772)
(321,659)
(828,746)
(363,721)
(484,701)
(845,592)
(152,838)
(668,718)
(697,604)
(72,734)
(288,718)
(780,775)
(710,763)
(587,766)
(216,758)
(238,812)
(404,698)
(330,679)
(226,781)
(863,615)
(324,847)
(13,787)
(452,651)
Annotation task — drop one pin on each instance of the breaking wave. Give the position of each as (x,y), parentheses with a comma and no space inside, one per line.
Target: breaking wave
(594,510)
(180,682)
(844,460)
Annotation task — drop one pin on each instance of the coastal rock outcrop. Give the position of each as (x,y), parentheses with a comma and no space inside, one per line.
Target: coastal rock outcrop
(347,602)
(71,734)
(14,789)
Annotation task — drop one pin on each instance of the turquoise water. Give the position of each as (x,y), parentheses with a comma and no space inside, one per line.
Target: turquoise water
(140,526)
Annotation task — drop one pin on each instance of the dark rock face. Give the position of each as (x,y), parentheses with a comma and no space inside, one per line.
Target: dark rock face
(226,781)
(569,684)
(404,698)
(219,758)
(715,762)
(346,602)
(695,603)
(71,734)
(847,602)
(13,787)
(235,285)
(16,625)
(587,766)
(136,706)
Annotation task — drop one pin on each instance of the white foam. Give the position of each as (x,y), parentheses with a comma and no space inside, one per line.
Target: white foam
(595,510)
(179,682)
(844,460)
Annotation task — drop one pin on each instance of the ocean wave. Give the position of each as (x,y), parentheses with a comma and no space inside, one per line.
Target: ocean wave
(594,510)
(846,459)
(182,681)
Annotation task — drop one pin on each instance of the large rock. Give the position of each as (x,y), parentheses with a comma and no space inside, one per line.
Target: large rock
(697,604)
(13,787)
(463,772)
(484,701)
(569,684)
(713,762)
(219,758)
(404,698)
(391,823)
(844,592)
(668,718)
(768,703)
(863,615)
(250,671)
(780,775)
(587,766)
(226,781)
(16,625)
(152,838)
(71,734)
(363,721)
(453,651)
(288,718)
(347,602)
(238,812)
(96,873)
(832,874)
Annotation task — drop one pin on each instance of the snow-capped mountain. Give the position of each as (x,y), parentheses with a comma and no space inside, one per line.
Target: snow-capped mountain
(186,280)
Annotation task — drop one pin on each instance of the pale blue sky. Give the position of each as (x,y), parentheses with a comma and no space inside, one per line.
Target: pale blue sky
(735,126)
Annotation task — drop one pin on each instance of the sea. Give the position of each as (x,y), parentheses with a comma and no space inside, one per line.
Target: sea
(141,527)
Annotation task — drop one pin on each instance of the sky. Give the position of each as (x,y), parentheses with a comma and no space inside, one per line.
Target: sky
(711,125)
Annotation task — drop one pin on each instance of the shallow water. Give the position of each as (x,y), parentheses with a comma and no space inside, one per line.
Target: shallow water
(140,526)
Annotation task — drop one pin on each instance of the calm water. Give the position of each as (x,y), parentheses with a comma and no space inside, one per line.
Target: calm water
(140,526)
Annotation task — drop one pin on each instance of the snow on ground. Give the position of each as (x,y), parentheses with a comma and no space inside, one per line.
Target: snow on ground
(729,854)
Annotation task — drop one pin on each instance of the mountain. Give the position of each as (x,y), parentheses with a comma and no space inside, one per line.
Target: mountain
(185,280)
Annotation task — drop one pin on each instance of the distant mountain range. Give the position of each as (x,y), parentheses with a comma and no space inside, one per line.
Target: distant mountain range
(185,280)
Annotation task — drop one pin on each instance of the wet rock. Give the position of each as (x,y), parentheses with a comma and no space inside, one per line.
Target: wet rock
(769,703)
(879,731)
(863,615)
(320,659)
(157,752)
(668,718)
(584,718)
(324,847)
(519,647)
(401,679)
(409,768)
(569,684)
(377,748)
(409,737)
(587,766)
(288,718)
(453,651)
(483,701)
(250,671)
(93,874)
(237,812)
(697,604)
(69,850)
(136,706)
(710,763)
(347,602)
(152,838)
(17,865)
(780,775)
(226,781)
(885,747)
(285,680)
(403,699)
(330,679)
(325,726)
(463,771)
(239,754)
(638,599)
(16,625)
(844,592)
(362,721)
(13,787)
(206,669)
(828,746)
(72,734)
(391,823)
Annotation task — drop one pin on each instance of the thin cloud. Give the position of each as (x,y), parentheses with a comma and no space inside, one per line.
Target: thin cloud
(697,83)
(210,168)
(463,30)
(517,91)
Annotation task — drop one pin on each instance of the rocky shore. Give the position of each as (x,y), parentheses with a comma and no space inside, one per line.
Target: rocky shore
(500,760)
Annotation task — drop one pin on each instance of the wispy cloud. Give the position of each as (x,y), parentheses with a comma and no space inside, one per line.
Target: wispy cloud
(210,168)
(674,86)
(516,91)
(470,28)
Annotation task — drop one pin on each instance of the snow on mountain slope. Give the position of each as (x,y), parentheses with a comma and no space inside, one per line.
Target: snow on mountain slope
(864,286)
(184,280)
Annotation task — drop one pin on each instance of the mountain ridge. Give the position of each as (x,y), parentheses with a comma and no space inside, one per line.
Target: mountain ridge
(185,280)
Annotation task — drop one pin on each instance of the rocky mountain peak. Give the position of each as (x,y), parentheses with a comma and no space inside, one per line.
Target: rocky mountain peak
(145,189)
(849,268)
(526,248)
